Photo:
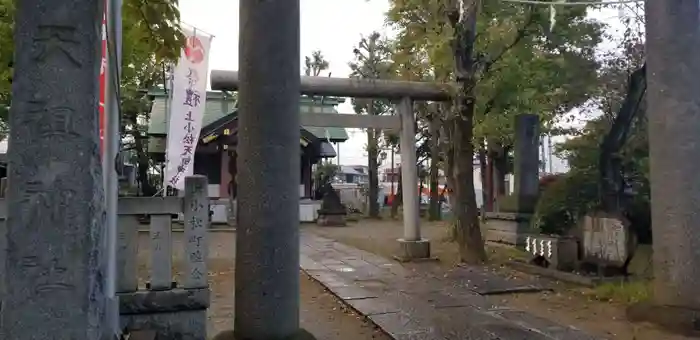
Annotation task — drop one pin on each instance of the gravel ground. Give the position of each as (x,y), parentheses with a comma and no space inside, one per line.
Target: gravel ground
(322,313)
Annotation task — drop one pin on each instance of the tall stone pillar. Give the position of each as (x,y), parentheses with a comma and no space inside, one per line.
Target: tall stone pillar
(673,85)
(527,161)
(267,244)
(412,246)
(54,267)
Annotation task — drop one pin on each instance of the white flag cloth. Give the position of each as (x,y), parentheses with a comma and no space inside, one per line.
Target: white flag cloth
(189,95)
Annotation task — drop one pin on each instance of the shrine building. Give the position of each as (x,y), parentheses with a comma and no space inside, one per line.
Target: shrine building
(216,150)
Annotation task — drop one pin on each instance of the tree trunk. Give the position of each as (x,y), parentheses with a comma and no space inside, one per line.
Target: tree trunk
(143,166)
(397,198)
(450,164)
(373,165)
(468,231)
(434,209)
(143,162)
(500,169)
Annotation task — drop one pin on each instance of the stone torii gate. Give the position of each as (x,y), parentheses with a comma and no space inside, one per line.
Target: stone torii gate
(404,93)
(267,242)
(269,86)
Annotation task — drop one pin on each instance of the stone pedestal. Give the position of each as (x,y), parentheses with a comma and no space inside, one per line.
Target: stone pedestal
(413,250)
(505,228)
(300,335)
(333,212)
(559,252)
(171,314)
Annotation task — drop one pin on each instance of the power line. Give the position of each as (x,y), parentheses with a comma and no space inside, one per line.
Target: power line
(575,3)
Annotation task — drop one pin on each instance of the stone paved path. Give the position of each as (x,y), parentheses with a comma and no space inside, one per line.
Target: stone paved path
(408,305)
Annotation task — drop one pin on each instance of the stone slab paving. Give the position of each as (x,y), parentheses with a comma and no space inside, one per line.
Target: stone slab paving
(408,304)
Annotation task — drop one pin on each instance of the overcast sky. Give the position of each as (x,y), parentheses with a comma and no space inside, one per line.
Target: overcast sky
(332,26)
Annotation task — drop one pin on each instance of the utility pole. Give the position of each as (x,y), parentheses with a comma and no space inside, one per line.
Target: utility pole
(673,66)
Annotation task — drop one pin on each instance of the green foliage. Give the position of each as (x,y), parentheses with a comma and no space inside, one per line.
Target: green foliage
(372,61)
(509,203)
(565,200)
(538,71)
(151,38)
(315,64)
(576,193)
(521,65)
(151,35)
(325,173)
(561,206)
(7,8)
(624,292)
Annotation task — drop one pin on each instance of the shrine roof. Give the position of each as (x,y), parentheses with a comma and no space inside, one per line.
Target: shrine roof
(221,104)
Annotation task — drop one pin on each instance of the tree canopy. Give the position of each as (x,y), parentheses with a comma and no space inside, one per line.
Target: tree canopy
(521,65)
(507,59)
(151,38)
(151,35)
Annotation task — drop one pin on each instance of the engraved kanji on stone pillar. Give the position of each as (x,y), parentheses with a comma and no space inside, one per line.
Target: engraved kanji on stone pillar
(53,267)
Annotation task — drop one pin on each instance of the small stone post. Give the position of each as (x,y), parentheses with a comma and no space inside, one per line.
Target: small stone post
(196,218)
(267,238)
(412,245)
(527,160)
(54,266)
(673,46)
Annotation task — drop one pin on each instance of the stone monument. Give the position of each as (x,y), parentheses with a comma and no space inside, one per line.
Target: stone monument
(53,269)
(607,241)
(527,161)
(332,213)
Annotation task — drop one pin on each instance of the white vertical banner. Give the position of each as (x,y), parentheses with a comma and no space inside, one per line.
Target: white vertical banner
(188,98)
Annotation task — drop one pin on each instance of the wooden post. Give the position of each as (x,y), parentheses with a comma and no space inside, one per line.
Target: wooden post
(196,215)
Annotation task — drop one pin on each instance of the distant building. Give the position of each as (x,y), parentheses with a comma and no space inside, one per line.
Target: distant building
(215,155)
(358,174)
